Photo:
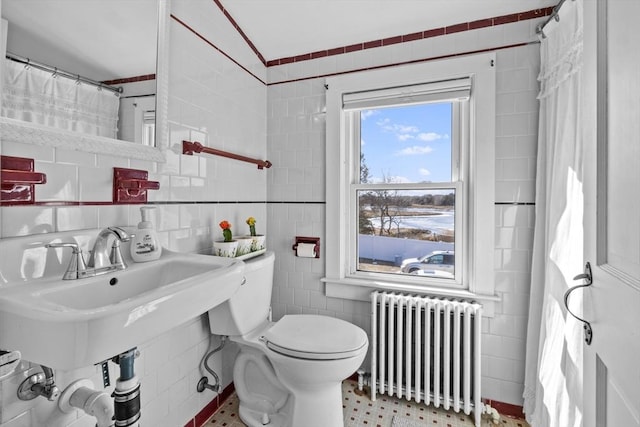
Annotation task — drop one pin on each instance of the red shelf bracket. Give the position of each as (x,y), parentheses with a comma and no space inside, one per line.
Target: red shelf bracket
(189,148)
(18,180)
(131,186)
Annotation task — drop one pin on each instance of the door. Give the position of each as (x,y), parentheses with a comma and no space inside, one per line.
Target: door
(612,213)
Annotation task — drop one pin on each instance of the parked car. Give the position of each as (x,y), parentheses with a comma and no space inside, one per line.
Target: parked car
(435,261)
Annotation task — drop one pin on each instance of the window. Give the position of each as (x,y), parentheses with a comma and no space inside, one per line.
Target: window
(410,177)
(411,208)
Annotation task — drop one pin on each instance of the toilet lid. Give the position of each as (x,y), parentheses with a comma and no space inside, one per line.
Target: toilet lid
(309,336)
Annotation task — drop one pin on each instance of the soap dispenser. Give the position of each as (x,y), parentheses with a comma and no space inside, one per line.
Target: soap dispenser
(145,246)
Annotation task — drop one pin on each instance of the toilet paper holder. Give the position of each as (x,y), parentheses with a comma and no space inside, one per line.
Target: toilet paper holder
(309,240)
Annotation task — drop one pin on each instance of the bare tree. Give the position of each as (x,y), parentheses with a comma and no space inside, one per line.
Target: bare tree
(387,205)
(364,224)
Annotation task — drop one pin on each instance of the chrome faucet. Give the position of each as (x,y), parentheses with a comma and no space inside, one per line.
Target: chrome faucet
(102,257)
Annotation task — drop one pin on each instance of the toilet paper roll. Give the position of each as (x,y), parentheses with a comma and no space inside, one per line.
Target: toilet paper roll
(306,250)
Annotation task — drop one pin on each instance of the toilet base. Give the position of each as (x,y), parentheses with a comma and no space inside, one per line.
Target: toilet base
(256,419)
(285,401)
(318,408)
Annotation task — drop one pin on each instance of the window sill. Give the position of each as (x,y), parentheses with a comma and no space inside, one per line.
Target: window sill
(360,290)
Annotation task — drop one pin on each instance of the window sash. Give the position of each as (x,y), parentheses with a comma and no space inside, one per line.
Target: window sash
(459,230)
(460,123)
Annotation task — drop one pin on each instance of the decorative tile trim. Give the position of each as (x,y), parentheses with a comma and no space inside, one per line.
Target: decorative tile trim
(18,131)
(239,30)
(142,78)
(515,203)
(64,203)
(204,39)
(435,32)
(508,409)
(395,64)
(205,413)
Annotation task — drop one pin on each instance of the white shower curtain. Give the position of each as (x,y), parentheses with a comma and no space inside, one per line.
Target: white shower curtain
(553,371)
(37,96)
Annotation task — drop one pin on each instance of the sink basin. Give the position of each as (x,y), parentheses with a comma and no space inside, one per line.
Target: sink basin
(68,324)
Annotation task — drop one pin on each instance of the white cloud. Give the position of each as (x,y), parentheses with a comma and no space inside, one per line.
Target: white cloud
(388,126)
(415,150)
(406,129)
(424,172)
(400,180)
(405,136)
(430,136)
(394,179)
(365,114)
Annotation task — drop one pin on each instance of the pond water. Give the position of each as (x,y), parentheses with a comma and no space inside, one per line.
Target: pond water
(438,221)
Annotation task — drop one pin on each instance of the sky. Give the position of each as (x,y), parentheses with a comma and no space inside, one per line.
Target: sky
(408,143)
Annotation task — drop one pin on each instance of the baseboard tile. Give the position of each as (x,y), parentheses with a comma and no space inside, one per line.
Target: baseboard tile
(205,413)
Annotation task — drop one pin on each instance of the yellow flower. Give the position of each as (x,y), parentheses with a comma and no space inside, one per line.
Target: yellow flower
(252,225)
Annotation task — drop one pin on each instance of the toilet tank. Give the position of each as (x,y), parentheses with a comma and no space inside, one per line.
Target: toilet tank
(249,306)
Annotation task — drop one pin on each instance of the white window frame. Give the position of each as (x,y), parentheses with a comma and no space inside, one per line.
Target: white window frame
(477,272)
(459,154)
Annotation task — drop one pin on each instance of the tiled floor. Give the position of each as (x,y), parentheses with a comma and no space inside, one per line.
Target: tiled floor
(360,411)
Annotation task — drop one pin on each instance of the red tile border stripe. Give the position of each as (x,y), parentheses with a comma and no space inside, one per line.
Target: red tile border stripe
(204,39)
(456,28)
(515,411)
(242,34)
(210,408)
(434,32)
(130,80)
(395,64)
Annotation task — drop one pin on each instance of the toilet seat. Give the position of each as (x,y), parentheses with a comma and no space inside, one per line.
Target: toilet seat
(314,337)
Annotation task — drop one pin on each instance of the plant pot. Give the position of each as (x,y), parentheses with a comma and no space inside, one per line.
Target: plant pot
(225,249)
(244,245)
(258,242)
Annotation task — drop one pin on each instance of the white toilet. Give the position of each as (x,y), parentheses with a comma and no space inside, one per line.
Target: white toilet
(288,373)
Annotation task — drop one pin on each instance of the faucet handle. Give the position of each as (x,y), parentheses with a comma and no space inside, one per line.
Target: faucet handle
(115,257)
(77,265)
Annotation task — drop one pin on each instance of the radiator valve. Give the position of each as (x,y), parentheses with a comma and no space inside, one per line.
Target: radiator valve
(491,412)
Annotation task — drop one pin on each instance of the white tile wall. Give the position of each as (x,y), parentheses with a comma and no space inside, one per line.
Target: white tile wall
(296,139)
(215,101)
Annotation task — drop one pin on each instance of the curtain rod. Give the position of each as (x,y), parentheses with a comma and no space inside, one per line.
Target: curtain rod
(554,15)
(58,72)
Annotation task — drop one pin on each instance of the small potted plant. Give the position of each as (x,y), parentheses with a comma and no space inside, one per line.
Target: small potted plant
(245,244)
(257,239)
(227,247)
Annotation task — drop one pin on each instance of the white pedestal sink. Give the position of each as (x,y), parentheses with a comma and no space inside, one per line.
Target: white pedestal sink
(68,324)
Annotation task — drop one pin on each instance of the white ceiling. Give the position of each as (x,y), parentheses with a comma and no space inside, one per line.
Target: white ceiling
(278,28)
(283,28)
